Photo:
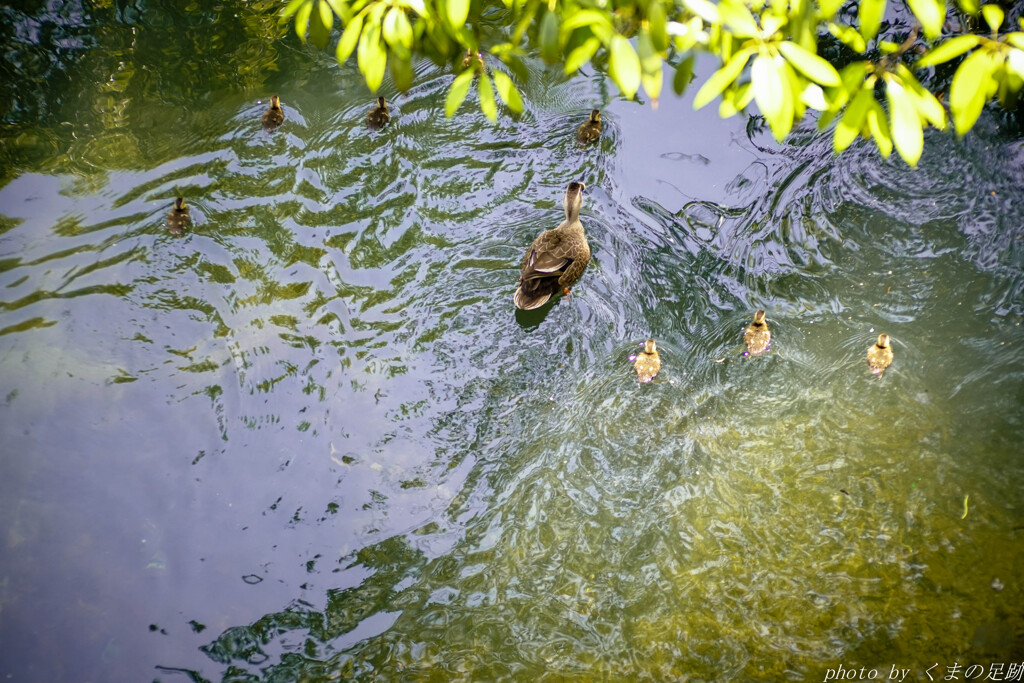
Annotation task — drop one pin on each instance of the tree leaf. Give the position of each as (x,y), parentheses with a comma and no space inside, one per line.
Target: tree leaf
(507,92)
(658,25)
(350,38)
(810,64)
(401,71)
(931,14)
(624,66)
(319,34)
(706,10)
(907,131)
(684,74)
(581,55)
(928,106)
(830,7)
(772,94)
(326,15)
(1015,62)
(870,15)
(849,126)
(848,35)
(290,9)
(721,79)
(549,37)
(1016,39)
(652,83)
(650,60)
(340,9)
(738,18)
(457,92)
(302,20)
(456,12)
(969,90)
(993,16)
(398,31)
(951,49)
(969,6)
(487,104)
(878,126)
(372,57)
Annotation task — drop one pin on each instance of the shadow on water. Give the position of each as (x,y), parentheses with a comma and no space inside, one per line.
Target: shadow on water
(313,439)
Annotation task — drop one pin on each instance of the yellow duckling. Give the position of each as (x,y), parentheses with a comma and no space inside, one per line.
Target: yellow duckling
(557,258)
(758,337)
(647,363)
(880,355)
(379,116)
(591,130)
(178,219)
(273,117)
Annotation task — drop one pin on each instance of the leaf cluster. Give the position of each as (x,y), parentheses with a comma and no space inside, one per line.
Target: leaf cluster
(768,54)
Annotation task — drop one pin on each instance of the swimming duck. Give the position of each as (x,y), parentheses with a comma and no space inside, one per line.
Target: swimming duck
(758,337)
(647,363)
(178,219)
(379,117)
(273,117)
(591,130)
(880,355)
(557,258)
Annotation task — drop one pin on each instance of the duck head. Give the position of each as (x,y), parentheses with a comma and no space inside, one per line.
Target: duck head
(759,318)
(883,341)
(179,204)
(650,346)
(573,200)
(381,103)
(275,102)
(595,116)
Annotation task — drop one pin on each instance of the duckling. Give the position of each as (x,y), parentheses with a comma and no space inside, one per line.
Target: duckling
(557,258)
(647,363)
(379,117)
(758,337)
(273,117)
(591,130)
(178,219)
(880,355)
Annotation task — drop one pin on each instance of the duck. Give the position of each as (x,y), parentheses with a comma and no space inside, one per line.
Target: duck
(178,219)
(273,117)
(379,116)
(591,129)
(557,258)
(880,355)
(648,363)
(758,337)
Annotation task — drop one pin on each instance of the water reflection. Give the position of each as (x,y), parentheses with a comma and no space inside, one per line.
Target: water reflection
(310,438)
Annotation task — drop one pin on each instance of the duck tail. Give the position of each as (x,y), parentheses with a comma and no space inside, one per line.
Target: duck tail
(527,302)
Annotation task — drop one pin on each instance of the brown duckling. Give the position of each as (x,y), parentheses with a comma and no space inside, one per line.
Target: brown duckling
(880,355)
(178,219)
(591,130)
(557,258)
(758,337)
(648,363)
(379,116)
(273,117)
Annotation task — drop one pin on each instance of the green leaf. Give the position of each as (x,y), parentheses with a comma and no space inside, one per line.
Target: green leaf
(951,49)
(830,7)
(549,37)
(871,14)
(772,94)
(596,21)
(652,83)
(326,15)
(401,71)
(302,20)
(738,18)
(290,9)
(706,10)
(969,6)
(878,126)
(928,106)
(507,92)
(624,66)
(1015,62)
(581,55)
(849,36)
(969,91)
(349,38)
(931,14)
(339,8)
(456,12)
(907,131)
(398,31)
(457,92)
(372,57)
(319,32)
(1016,39)
(658,25)
(487,104)
(810,64)
(684,74)
(993,16)
(721,79)
(849,126)
(650,60)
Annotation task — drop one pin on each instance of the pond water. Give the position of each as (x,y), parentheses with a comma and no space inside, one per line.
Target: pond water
(312,439)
